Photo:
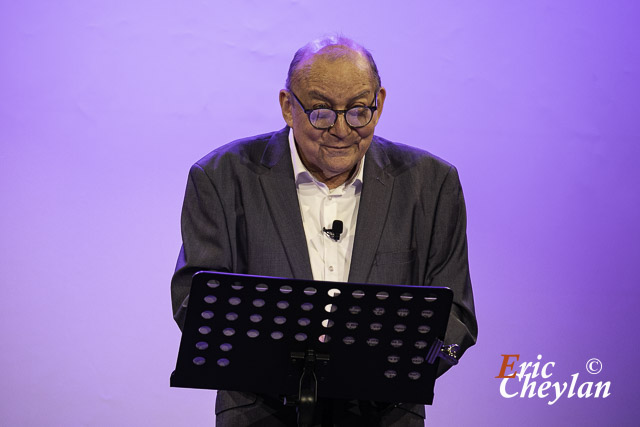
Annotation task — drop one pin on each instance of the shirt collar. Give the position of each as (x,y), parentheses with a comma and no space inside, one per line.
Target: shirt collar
(302,174)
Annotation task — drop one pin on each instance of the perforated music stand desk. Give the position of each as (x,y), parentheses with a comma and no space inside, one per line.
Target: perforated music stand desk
(369,342)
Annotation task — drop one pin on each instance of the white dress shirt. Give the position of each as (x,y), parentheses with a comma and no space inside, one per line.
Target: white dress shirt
(320,206)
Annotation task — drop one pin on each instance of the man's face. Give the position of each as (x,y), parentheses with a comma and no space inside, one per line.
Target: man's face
(339,83)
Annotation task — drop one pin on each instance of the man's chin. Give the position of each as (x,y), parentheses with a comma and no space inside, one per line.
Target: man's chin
(335,169)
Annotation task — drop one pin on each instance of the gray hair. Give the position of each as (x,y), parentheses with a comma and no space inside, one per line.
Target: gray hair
(319,44)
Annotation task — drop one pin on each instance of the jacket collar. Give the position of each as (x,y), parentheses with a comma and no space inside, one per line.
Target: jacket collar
(279,189)
(372,213)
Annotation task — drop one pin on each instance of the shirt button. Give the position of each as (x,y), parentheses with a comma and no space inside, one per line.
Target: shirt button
(331,268)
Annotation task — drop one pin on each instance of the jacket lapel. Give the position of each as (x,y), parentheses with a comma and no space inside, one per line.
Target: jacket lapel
(372,214)
(280,192)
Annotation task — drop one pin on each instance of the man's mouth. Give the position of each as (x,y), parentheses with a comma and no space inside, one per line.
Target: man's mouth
(338,147)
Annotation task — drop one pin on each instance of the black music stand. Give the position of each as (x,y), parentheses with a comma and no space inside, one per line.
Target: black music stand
(300,339)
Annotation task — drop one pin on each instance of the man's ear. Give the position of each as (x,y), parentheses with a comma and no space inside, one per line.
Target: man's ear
(382,95)
(285,106)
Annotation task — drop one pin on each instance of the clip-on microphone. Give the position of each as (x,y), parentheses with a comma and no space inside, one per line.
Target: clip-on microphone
(335,231)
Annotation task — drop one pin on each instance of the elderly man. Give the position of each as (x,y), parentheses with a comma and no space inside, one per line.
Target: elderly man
(265,205)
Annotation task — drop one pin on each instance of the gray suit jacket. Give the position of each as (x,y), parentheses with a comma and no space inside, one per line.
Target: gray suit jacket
(241,215)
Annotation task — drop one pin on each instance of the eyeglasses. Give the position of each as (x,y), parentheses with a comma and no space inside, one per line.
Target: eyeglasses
(325,118)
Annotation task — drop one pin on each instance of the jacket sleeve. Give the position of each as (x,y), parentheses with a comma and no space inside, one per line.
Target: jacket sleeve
(448,264)
(205,239)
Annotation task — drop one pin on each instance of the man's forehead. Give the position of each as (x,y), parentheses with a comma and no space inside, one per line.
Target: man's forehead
(334,64)
(333,56)
(334,52)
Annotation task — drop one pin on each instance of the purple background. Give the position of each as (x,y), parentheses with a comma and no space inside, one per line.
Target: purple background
(105,105)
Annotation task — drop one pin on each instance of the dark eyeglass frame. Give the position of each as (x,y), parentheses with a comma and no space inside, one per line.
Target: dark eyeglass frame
(308,112)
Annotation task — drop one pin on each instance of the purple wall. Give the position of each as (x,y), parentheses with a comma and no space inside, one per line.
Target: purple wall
(105,105)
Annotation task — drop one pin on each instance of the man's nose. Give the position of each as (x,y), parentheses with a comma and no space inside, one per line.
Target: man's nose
(341,128)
